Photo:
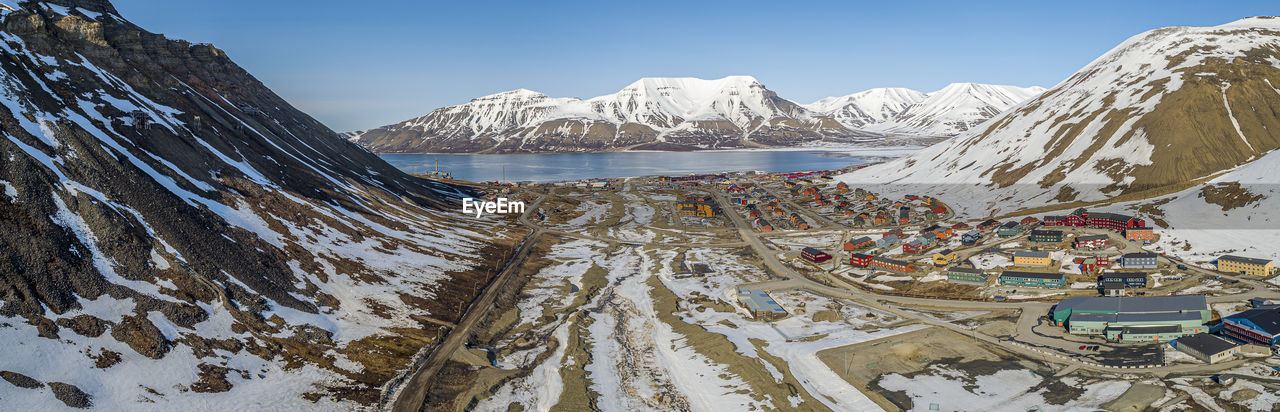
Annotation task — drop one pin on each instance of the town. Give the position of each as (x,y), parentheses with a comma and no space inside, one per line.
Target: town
(1083,290)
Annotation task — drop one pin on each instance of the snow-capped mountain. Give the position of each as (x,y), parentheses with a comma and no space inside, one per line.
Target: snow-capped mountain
(734,111)
(1162,111)
(867,107)
(174,235)
(955,109)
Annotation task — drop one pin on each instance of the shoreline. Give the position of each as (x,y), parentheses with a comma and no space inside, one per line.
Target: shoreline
(839,149)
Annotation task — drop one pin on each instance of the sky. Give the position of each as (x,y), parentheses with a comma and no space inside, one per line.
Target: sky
(363,64)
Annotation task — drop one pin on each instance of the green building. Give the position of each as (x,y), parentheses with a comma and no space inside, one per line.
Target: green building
(1032,279)
(1009,229)
(966,276)
(1046,236)
(1137,319)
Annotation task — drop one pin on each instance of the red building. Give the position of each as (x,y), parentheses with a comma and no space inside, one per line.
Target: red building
(1103,220)
(960,226)
(988,225)
(1029,220)
(891,265)
(913,247)
(859,243)
(860,259)
(814,255)
(1091,242)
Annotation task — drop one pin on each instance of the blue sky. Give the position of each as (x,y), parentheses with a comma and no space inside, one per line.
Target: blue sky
(356,65)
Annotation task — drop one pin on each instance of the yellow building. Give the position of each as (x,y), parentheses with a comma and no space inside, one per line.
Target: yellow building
(944,257)
(1023,258)
(1245,266)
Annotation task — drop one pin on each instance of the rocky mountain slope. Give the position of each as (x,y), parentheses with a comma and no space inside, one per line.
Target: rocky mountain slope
(1165,109)
(174,235)
(655,113)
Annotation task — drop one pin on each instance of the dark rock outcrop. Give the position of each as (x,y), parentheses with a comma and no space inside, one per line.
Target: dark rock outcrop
(71,395)
(140,334)
(20,380)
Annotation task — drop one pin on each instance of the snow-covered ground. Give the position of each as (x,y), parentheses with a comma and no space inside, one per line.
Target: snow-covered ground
(951,389)
(987,261)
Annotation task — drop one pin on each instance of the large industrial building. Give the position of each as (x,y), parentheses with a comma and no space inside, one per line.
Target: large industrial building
(760,304)
(1158,318)
(1259,326)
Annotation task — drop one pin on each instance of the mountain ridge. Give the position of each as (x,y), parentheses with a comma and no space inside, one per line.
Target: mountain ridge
(683,112)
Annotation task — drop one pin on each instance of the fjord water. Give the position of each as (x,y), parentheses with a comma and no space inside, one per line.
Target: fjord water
(573,166)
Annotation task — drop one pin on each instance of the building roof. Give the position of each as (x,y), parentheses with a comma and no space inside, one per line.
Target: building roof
(860,256)
(1089,238)
(1144,304)
(1046,232)
(890,261)
(1010,224)
(1246,260)
(1110,216)
(1267,319)
(1032,275)
(1030,254)
(1153,318)
(860,240)
(1205,343)
(758,300)
(811,251)
(971,271)
(1139,256)
(945,252)
(1118,276)
(1145,329)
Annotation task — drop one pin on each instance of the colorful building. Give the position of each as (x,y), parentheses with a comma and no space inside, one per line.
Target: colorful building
(1032,279)
(1046,236)
(944,257)
(1009,229)
(1029,258)
(859,243)
(1138,261)
(860,259)
(966,276)
(1157,318)
(814,255)
(1091,242)
(1246,266)
(1144,234)
(892,265)
(1127,279)
(1259,326)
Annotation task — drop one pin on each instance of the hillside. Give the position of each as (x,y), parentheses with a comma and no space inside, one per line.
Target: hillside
(175,234)
(1164,109)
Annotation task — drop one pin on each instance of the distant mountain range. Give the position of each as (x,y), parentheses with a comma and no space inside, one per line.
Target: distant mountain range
(688,114)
